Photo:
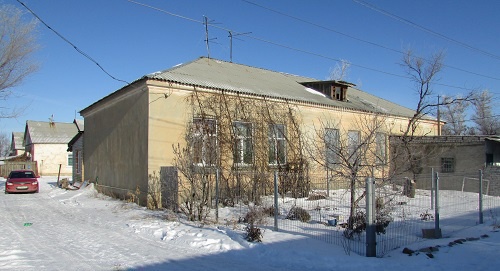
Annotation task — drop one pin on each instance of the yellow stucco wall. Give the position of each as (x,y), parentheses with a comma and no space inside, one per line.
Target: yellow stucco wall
(168,116)
(170,111)
(50,156)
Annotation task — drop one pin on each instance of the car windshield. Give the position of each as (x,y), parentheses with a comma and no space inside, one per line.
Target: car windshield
(21,174)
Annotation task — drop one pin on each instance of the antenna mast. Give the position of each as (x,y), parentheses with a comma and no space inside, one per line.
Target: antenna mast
(206,35)
(231,43)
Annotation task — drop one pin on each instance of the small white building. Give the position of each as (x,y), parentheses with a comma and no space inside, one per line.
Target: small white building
(47,144)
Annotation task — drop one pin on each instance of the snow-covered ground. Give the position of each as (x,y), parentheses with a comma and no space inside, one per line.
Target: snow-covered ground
(60,229)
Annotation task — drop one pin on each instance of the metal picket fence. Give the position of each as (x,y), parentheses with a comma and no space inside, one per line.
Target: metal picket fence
(415,208)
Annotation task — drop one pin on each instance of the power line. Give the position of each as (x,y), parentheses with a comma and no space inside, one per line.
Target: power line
(70,43)
(166,12)
(473,119)
(359,39)
(289,47)
(425,29)
(231,35)
(268,41)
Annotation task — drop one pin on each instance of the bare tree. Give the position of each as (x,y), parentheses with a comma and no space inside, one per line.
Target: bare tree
(453,113)
(340,71)
(17,45)
(350,154)
(5,145)
(486,123)
(423,74)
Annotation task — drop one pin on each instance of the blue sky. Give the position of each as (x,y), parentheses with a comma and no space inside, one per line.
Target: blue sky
(305,38)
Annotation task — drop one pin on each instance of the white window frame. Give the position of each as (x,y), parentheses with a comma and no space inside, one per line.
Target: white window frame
(353,143)
(332,146)
(204,130)
(277,144)
(381,148)
(243,154)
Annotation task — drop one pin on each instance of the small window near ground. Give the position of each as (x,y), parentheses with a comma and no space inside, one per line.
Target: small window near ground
(447,164)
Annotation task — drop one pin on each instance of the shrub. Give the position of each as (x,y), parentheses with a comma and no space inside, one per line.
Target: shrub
(255,215)
(298,213)
(254,234)
(426,216)
(357,223)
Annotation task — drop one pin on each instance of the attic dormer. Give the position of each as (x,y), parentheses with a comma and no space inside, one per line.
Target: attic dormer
(335,90)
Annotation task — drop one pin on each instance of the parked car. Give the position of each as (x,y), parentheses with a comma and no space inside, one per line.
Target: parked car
(21,181)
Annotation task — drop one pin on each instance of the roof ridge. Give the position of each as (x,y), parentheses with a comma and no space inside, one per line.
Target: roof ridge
(153,74)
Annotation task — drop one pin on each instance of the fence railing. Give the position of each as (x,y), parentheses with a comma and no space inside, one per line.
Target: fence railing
(405,211)
(434,208)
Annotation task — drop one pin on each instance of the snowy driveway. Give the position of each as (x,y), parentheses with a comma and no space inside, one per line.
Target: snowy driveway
(53,232)
(74,230)
(59,229)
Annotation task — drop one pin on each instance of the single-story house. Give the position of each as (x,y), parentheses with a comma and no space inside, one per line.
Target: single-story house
(456,159)
(47,144)
(220,113)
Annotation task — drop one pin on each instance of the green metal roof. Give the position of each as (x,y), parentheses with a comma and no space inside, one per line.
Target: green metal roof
(50,132)
(222,75)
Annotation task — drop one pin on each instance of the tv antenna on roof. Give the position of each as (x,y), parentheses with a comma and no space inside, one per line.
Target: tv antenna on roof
(207,40)
(231,35)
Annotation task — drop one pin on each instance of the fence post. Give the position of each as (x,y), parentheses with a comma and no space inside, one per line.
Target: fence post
(437,229)
(371,242)
(276,209)
(217,194)
(481,197)
(432,188)
(327,182)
